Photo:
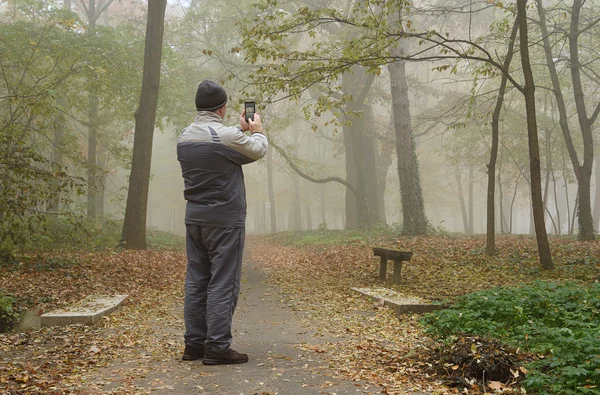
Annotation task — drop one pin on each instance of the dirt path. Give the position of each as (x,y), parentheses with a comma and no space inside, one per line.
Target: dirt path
(263,327)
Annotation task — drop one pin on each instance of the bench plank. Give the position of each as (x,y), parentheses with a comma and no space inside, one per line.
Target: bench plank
(392,254)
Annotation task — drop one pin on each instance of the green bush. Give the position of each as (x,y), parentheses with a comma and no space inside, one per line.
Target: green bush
(8,313)
(559,322)
(88,235)
(75,233)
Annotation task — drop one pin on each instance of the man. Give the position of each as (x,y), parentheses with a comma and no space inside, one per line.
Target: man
(211,157)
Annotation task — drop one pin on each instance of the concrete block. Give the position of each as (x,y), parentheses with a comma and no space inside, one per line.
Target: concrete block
(86,312)
(29,321)
(400,303)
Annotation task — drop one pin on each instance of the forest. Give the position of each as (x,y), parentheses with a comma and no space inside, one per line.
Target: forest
(463,131)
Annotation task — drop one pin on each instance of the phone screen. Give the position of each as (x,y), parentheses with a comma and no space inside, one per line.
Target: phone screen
(250,108)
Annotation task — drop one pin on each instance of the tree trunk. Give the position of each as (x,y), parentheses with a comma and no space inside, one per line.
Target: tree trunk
(534,149)
(354,201)
(172,213)
(57,163)
(369,151)
(357,204)
(582,172)
(461,199)
(490,248)
(257,219)
(295,215)
(597,200)
(262,208)
(547,178)
(385,158)
(559,230)
(91,159)
(358,212)
(307,213)
(351,217)
(584,176)
(92,116)
(574,215)
(566,185)
(531,222)
(470,229)
(548,135)
(102,160)
(323,208)
(58,157)
(273,212)
(550,173)
(512,204)
(290,217)
(503,224)
(134,227)
(413,208)
(363,209)
(295,221)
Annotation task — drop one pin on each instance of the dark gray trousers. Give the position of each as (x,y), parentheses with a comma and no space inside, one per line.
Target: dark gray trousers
(212,284)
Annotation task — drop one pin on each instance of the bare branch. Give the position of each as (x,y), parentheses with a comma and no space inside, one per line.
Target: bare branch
(595,114)
(289,161)
(109,2)
(85,8)
(588,27)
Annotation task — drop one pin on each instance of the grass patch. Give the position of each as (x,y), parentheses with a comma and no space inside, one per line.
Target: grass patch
(160,240)
(46,264)
(326,237)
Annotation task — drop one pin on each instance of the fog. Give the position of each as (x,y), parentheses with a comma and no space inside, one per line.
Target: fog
(450,95)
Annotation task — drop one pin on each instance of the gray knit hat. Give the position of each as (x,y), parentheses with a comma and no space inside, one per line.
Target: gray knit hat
(210,96)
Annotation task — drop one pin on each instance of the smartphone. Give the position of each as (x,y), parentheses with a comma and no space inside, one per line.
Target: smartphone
(250,107)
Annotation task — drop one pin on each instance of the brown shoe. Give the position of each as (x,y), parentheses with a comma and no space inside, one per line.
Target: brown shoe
(193,353)
(228,357)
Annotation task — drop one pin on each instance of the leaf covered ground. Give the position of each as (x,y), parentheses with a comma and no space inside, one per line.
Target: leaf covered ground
(314,273)
(317,271)
(61,360)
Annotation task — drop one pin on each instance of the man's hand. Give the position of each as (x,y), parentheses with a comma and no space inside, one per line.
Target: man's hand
(256,125)
(253,126)
(243,124)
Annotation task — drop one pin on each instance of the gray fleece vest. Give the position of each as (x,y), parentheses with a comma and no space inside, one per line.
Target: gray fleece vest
(211,157)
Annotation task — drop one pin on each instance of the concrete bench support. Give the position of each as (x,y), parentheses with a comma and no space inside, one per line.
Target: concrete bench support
(397,256)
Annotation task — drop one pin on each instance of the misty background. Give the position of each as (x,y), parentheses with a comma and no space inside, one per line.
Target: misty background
(86,90)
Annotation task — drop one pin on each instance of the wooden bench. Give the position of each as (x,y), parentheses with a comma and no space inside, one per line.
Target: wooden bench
(391,255)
